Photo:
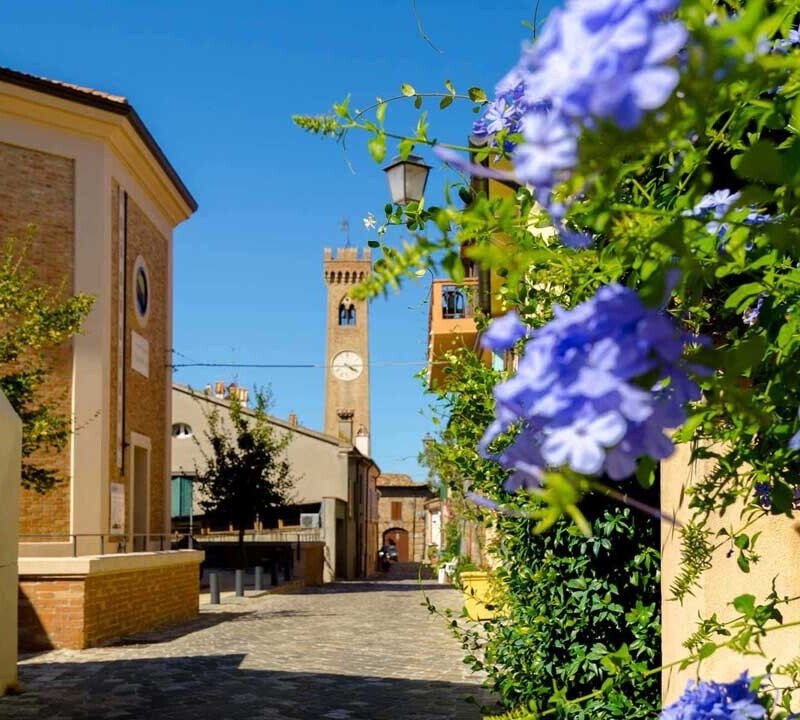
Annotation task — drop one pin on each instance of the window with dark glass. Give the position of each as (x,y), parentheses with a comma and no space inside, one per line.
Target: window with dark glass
(347,312)
(454,302)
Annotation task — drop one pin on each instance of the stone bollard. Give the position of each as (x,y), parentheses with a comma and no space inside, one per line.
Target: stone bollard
(240,583)
(213,588)
(259,577)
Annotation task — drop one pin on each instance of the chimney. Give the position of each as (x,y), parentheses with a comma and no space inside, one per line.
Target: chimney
(345,424)
(207,391)
(244,396)
(232,392)
(362,441)
(292,419)
(219,389)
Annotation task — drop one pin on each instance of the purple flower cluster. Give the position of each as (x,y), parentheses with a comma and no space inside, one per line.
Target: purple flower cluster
(720,701)
(596,388)
(787,43)
(751,315)
(595,59)
(503,113)
(716,205)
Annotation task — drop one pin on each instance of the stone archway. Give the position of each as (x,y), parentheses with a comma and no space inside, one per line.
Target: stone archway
(399,538)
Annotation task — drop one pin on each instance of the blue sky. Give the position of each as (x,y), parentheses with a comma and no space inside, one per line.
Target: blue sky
(216,84)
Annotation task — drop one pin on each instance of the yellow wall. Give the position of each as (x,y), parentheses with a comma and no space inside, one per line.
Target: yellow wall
(779,548)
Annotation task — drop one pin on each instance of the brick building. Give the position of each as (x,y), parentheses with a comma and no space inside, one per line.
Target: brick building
(403,517)
(81,169)
(93,201)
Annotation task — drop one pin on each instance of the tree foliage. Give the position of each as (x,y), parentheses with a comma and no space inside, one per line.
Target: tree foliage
(246,473)
(35,320)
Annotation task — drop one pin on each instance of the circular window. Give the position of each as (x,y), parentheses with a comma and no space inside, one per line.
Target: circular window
(141,289)
(181,430)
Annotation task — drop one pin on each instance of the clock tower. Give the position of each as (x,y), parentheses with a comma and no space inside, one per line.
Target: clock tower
(347,346)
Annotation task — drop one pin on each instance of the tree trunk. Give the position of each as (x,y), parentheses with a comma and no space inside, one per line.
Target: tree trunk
(242,559)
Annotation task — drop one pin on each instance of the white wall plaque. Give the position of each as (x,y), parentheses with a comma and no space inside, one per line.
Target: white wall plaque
(117,515)
(140,354)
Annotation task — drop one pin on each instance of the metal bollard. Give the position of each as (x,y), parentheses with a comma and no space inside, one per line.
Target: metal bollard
(259,577)
(213,588)
(240,583)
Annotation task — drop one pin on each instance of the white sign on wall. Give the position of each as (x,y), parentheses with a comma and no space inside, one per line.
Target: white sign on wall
(140,354)
(117,515)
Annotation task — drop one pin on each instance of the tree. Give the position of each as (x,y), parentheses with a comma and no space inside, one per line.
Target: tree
(34,320)
(247,472)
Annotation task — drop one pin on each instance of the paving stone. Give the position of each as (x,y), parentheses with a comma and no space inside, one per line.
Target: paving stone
(363,650)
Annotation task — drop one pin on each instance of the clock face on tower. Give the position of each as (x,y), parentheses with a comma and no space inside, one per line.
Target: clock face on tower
(347,365)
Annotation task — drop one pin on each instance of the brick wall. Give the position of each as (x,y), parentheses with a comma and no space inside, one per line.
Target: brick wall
(51,613)
(412,505)
(145,409)
(38,189)
(146,398)
(91,610)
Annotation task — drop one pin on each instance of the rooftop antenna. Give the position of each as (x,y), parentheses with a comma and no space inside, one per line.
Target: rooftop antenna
(344,226)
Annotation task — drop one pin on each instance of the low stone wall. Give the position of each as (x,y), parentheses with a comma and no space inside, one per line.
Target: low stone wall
(87,601)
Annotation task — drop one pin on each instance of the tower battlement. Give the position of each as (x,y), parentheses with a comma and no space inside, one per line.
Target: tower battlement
(346,253)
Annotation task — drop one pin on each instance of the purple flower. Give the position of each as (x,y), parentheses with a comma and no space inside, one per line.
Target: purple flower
(720,701)
(502,113)
(715,204)
(550,149)
(503,332)
(750,316)
(578,395)
(786,44)
(600,60)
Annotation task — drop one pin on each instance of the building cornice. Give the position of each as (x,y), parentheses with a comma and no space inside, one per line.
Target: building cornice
(106,118)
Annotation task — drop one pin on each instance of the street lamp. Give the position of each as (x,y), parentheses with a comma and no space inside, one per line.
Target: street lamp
(407,179)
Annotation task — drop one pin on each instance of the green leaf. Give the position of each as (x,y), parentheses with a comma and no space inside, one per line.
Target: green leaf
(380,113)
(743,563)
(746,355)
(407,90)
(418,102)
(404,148)
(742,541)
(377,147)
(342,109)
(646,472)
(707,650)
(741,297)
(450,87)
(745,604)
(477,94)
(445,102)
(761,161)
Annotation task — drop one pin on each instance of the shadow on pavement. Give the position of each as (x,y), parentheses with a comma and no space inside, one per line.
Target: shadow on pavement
(194,688)
(173,632)
(366,586)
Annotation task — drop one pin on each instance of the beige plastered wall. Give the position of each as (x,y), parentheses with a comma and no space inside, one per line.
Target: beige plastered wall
(104,150)
(318,462)
(10,458)
(779,549)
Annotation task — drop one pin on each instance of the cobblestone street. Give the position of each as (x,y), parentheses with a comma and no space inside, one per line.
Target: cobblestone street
(365,649)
